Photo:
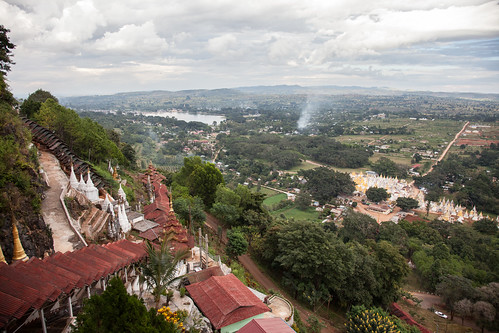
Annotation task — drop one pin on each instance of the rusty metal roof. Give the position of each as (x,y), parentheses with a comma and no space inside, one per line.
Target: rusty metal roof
(32,284)
(225,300)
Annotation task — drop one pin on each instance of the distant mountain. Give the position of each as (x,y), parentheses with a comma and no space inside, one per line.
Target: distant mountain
(236,97)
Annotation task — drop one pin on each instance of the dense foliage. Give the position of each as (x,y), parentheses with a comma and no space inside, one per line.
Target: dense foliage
(199,179)
(376,194)
(286,152)
(469,180)
(386,167)
(466,300)
(116,311)
(407,203)
(86,138)
(362,320)
(325,184)
(6,47)
(439,249)
(317,266)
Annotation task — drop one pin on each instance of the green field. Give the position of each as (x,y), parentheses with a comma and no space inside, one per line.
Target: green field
(298,215)
(302,166)
(266,191)
(274,199)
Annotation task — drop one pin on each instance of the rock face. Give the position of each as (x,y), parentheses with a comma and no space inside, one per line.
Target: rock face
(21,190)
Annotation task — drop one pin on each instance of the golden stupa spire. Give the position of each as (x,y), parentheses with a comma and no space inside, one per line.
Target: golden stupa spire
(19,253)
(2,257)
(171,202)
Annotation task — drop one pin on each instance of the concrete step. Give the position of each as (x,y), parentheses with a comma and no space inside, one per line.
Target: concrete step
(99,223)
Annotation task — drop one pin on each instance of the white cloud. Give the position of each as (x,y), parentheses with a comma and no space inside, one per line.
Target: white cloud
(239,42)
(133,39)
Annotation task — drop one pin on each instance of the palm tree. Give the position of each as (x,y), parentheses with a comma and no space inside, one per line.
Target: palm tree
(160,270)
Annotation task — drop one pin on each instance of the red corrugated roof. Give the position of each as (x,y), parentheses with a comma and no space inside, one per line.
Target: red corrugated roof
(11,306)
(225,300)
(32,284)
(266,325)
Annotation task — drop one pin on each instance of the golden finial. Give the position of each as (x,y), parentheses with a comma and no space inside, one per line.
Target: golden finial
(2,257)
(171,202)
(19,253)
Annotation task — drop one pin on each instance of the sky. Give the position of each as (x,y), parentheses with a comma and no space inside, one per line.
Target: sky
(98,47)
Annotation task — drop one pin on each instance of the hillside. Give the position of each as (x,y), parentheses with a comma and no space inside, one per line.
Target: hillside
(21,188)
(243,97)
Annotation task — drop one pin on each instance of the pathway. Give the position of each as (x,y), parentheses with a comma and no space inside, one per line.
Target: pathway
(264,280)
(268,284)
(52,211)
(447,148)
(435,301)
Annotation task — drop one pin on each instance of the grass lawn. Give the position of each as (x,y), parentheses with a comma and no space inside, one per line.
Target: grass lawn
(274,199)
(399,158)
(297,214)
(266,191)
(302,166)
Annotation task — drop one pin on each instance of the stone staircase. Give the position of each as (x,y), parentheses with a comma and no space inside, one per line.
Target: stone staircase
(93,221)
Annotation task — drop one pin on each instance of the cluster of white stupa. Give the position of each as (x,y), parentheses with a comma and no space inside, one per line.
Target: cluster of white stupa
(451,212)
(116,207)
(86,188)
(394,187)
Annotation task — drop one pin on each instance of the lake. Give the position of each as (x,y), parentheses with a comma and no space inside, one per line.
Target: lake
(186,116)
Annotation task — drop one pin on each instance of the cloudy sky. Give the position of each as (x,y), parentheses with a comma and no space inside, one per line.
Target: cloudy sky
(100,47)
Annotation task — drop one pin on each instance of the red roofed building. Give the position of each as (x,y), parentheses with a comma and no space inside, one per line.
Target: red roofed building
(161,212)
(31,290)
(225,300)
(266,325)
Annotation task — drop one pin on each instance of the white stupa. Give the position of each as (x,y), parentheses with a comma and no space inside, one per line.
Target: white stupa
(91,192)
(123,219)
(122,196)
(72,178)
(81,185)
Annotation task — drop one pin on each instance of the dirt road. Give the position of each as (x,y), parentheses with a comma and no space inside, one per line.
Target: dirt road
(447,148)
(263,279)
(53,214)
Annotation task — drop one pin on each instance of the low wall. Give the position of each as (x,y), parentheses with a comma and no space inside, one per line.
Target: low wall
(70,219)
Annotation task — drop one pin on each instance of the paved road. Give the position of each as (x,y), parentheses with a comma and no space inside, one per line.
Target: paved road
(52,211)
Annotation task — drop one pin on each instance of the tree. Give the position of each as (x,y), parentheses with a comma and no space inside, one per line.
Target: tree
(30,107)
(385,166)
(303,201)
(190,210)
(237,245)
(41,96)
(129,154)
(376,194)
(391,270)
(453,289)
(116,311)
(359,227)
(161,268)
(407,203)
(484,313)
(464,308)
(201,178)
(362,320)
(325,184)
(6,47)
(486,226)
